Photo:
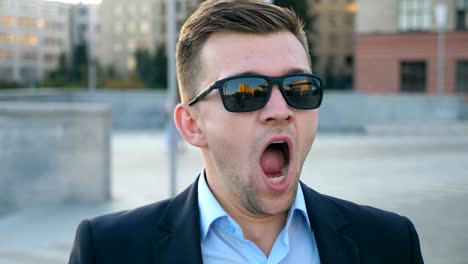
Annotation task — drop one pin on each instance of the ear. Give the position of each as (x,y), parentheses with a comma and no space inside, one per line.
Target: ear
(185,119)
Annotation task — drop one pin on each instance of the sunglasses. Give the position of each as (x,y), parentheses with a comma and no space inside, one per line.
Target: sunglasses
(247,93)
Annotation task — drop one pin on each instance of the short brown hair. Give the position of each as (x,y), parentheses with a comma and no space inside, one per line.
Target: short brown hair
(244,16)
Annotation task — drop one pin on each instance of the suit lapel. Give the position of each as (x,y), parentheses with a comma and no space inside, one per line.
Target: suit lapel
(179,239)
(328,225)
(180,230)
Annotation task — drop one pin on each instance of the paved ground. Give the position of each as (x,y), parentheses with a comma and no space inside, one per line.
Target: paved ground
(423,177)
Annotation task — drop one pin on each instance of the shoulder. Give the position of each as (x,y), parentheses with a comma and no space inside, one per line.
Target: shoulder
(366,222)
(357,213)
(135,219)
(352,213)
(379,234)
(118,236)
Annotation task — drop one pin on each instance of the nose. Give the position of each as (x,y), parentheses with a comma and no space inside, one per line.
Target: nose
(276,109)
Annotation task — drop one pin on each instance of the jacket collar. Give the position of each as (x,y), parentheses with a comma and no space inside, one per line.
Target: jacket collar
(180,230)
(329,226)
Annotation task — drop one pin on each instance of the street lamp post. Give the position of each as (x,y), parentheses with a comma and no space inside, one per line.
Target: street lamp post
(440,11)
(90,50)
(172,92)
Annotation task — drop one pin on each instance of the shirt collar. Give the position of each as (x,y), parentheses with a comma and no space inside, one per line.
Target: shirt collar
(210,209)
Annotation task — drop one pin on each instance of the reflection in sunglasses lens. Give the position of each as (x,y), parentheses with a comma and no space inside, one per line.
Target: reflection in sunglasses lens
(302,92)
(245,94)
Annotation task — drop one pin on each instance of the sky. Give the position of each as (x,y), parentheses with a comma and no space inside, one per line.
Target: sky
(78,1)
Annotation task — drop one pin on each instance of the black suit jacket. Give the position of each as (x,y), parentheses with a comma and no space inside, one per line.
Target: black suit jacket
(169,232)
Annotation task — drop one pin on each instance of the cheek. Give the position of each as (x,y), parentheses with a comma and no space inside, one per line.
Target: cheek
(307,129)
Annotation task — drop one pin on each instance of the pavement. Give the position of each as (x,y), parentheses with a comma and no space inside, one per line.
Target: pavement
(422,176)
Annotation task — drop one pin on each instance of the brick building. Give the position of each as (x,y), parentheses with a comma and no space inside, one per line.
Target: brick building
(397,46)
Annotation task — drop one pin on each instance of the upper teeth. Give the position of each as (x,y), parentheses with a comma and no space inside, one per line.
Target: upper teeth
(278,142)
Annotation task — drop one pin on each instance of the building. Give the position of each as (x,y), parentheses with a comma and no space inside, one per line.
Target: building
(129,25)
(33,34)
(332,40)
(54,41)
(399,48)
(84,20)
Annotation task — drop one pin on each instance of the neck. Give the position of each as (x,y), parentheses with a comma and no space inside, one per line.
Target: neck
(262,230)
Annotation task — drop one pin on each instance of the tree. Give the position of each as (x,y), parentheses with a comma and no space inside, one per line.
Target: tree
(160,67)
(79,65)
(144,66)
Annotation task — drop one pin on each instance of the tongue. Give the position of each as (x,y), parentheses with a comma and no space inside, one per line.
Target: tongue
(272,161)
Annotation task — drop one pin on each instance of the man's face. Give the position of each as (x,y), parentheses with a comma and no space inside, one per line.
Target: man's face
(253,160)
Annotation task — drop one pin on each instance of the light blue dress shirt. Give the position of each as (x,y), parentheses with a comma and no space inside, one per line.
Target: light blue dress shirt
(222,240)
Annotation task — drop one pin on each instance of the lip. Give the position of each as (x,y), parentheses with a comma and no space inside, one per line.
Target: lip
(287,181)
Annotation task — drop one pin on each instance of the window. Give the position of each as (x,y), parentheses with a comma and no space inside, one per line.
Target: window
(333,19)
(6,38)
(50,58)
(117,47)
(462,76)
(7,20)
(349,60)
(5,55)
(315,40)
(350,19)
(461,18)
(29,55)
(315,61)
(333,40)
(144,27)
(413,76)
(83,11)
(29,40)
(415,15)
(131,26)
(331,61)
(118,10)
(350,39)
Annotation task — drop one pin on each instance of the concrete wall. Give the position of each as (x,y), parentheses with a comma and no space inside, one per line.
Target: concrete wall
(355,111)
(53,153)
(341,111)
(130,109)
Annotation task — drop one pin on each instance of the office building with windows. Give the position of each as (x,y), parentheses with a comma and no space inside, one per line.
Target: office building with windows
(33,34)
(332,40)
(130,25)
(407,46)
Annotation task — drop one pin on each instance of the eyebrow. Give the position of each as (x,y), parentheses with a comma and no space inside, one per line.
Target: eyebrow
(291,71)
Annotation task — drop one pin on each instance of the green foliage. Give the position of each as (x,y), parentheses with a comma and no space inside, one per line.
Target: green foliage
(79,64)
(58,77)
(9,84)
(160,63)
(152,69)
(132,82)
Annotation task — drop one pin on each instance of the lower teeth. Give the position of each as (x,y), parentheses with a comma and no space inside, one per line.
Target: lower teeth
(277,180)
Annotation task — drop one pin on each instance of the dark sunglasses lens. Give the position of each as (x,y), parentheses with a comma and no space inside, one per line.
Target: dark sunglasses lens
(303,92)
(245,94)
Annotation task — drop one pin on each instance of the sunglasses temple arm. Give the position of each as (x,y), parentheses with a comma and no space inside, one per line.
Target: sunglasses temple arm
(201,95)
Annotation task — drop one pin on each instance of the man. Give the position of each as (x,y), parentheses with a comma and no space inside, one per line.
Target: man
(249,102)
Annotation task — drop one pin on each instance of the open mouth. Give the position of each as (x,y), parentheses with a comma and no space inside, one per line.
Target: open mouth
(275,161)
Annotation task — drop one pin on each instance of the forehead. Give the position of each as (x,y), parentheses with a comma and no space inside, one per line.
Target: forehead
(229,53)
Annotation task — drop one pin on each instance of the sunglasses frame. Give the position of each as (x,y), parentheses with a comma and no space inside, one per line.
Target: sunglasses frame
(278,80)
